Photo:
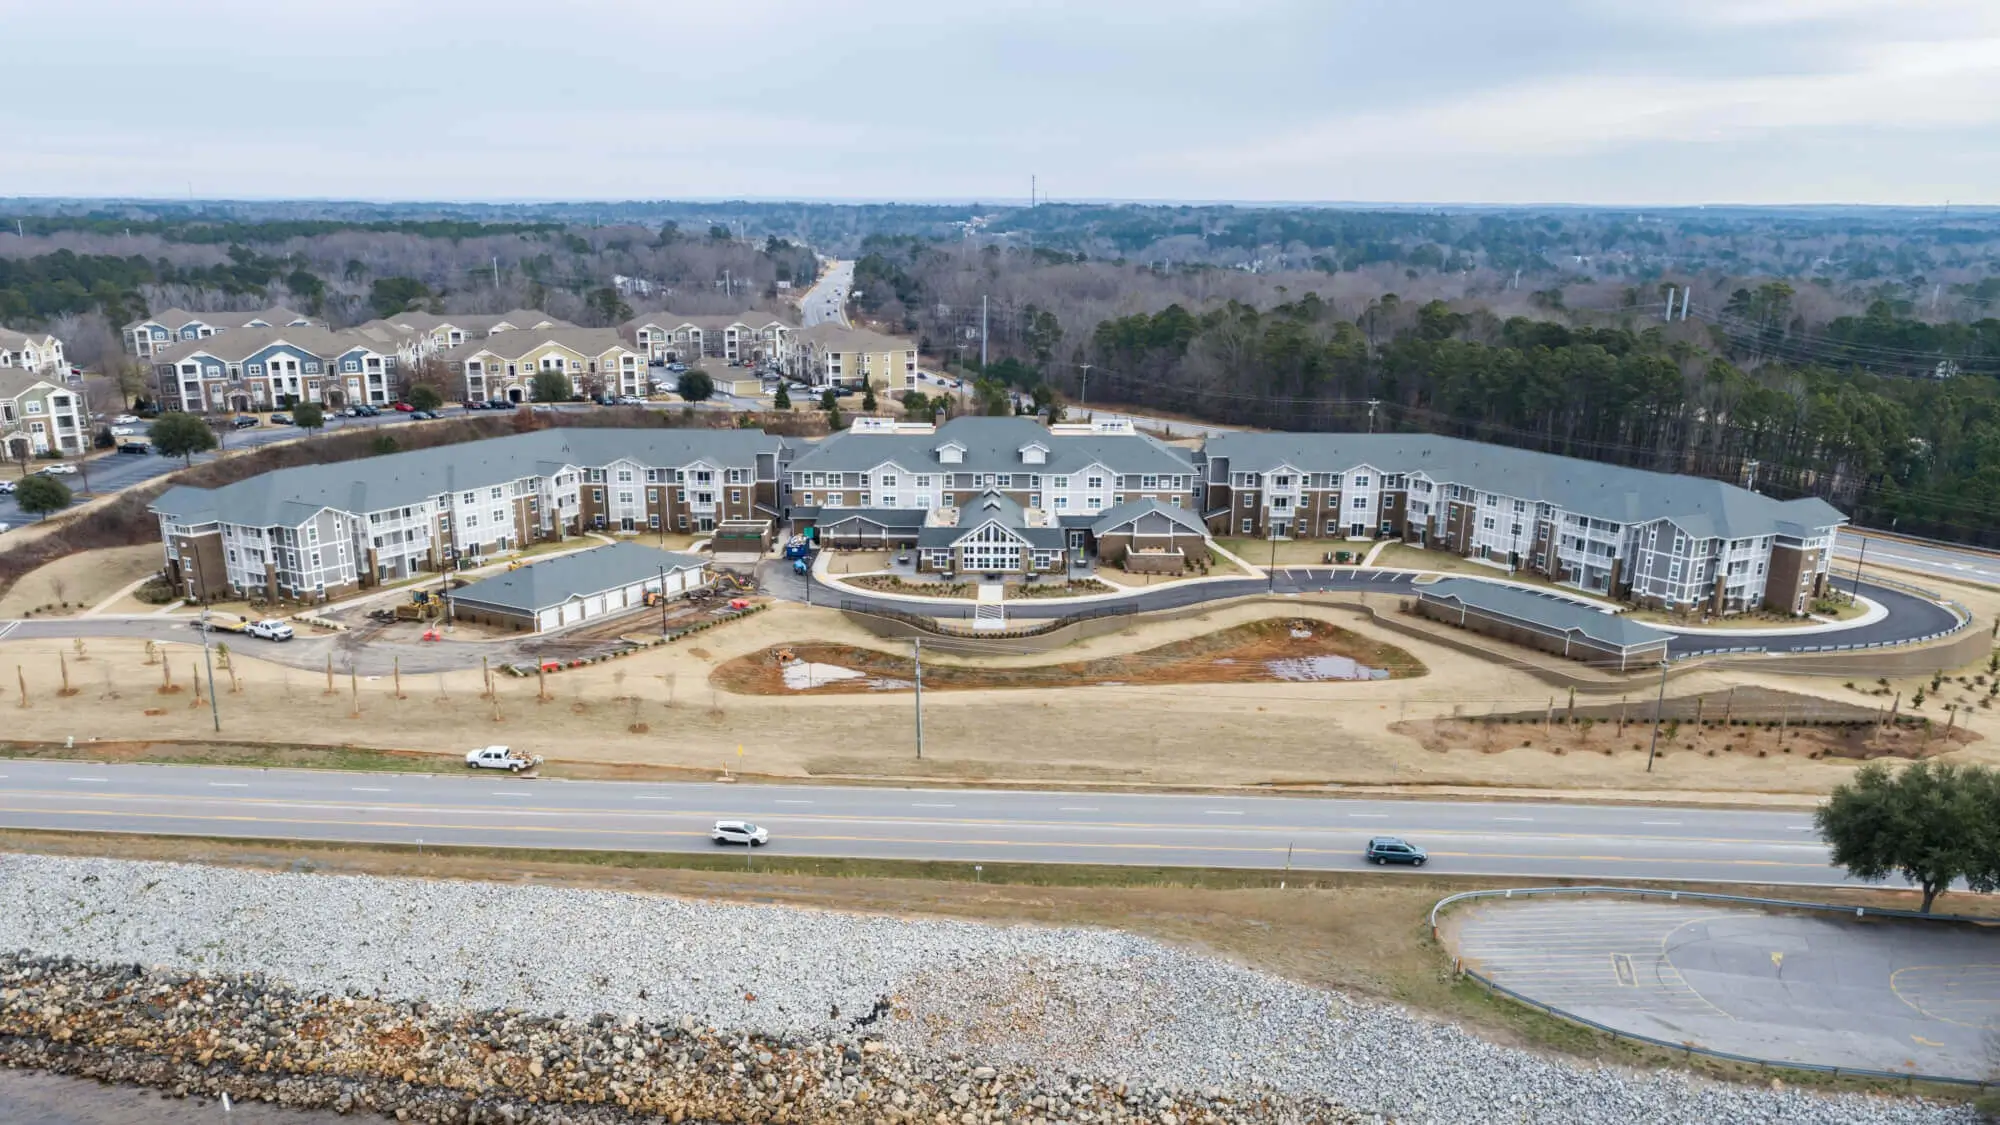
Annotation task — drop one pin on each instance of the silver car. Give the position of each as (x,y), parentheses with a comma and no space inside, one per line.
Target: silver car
(740,832)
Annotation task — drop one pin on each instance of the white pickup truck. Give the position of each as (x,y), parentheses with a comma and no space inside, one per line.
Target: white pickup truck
(500,758)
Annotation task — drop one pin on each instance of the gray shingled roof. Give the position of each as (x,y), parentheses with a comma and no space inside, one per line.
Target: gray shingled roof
(521,341)
(1548,610)
(550,583)
(993,445)
(1703,508)
(890,519)
(177,319)
(991,506)
(15,381)
(239,344)
(1110,519)
(393,480)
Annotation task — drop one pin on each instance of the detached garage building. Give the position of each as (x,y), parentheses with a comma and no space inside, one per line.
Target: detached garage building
(576,588)
(1545,621)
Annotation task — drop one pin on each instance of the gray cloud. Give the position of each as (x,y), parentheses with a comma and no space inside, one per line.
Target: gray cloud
(1575,100)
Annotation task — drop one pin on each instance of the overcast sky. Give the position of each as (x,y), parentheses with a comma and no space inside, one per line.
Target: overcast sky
(1590,101)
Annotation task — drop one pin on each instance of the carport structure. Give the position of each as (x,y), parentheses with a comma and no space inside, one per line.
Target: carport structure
(1546,621)
(580,587)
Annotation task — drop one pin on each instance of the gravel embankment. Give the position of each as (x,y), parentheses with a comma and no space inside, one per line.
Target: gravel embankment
(1001,1015)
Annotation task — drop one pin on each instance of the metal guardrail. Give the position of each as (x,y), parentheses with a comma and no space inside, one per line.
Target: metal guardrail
(1690,1049)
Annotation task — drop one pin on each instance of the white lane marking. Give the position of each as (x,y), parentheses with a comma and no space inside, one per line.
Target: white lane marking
(782,801)
(229,785)
(86,779)
(1798,828)
(510,793)
(8,628)
(1371,815)
(1075,808)
(1518,819)
(1660,823)
(366,789)
(649,797)
(921,805)
(1223,812)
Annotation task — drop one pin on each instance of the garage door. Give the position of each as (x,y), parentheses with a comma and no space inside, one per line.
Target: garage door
(674,583)
(572,612)
(594,606)
(550,618)
(615,599)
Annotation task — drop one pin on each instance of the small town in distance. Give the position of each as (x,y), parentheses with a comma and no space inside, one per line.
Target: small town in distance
(929,620)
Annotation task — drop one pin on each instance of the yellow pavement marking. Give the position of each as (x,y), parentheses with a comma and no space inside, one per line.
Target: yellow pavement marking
(587,810)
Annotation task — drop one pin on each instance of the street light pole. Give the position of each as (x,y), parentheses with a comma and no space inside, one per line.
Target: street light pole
(1271,572)
(1658,705)
(1857,568)
(917,656)
(663,598)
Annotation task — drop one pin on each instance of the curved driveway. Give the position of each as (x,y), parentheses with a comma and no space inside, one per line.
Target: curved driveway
(1909,618)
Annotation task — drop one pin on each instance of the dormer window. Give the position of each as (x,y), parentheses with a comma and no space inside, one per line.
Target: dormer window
(1035,454)
(951,453)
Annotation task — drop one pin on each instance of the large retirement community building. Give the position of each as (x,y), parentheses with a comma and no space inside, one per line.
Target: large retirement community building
(1009,496)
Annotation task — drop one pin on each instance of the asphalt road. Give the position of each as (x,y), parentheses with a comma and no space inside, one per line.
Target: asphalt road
(826,301)
(1943,560)
(1822,989)
(493,809)
(1909,616)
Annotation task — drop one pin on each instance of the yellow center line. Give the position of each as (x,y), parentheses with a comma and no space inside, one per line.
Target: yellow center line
(556,829)
(657,813)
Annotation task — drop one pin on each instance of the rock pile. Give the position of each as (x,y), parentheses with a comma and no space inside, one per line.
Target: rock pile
(254,1038)
(445,997)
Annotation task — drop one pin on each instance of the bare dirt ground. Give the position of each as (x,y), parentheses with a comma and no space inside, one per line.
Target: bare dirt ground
(82,580)
(1274,650)
(1299,735)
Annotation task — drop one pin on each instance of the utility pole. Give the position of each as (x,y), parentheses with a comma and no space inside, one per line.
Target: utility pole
(1083,396)
(214,709)
(1271,572)
(1750,466)
(917,656)
(982,334)
(1658,706)
(496,271)
(1857,568)
(663,593)
(1372,404)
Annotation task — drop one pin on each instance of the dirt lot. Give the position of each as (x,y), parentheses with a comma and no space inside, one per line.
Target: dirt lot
(1298,735)
(1361,933)
(1556,737)
(82,580)
(1270,651)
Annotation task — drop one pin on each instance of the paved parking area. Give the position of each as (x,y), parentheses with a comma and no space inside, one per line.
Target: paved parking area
(1810,988)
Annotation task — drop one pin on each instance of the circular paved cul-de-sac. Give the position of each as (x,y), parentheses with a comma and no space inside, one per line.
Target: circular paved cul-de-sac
(1822,989)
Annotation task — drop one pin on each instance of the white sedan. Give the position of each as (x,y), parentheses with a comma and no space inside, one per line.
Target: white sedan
(126,420)
(124,431)
(60,470)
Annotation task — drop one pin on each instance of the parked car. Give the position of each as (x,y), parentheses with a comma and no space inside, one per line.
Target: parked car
(124,431)
(59,469)
(404,407)
(126,420)
(245,421)
(135,448)
(371,411)
(422,415)
(631,400)
(475,405)
(1395,849)
(6,487)
(270,630)
(740,832)
(281,419)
